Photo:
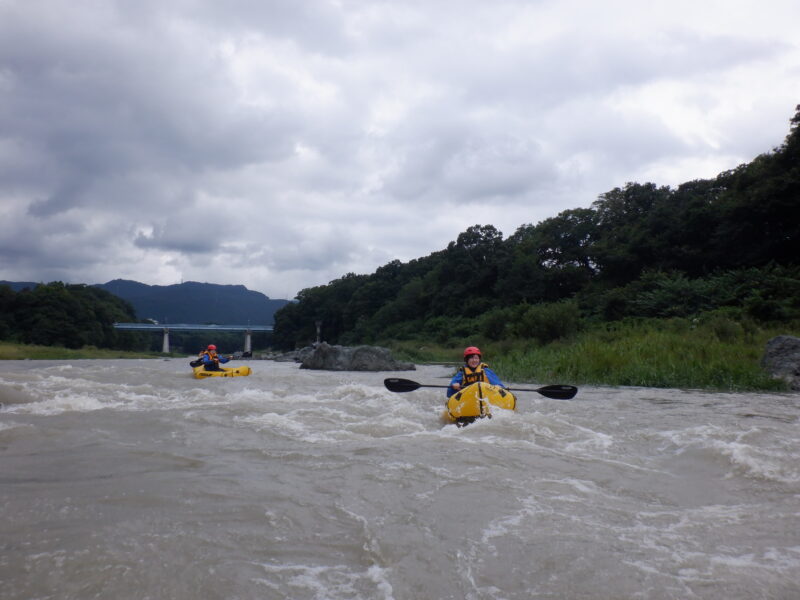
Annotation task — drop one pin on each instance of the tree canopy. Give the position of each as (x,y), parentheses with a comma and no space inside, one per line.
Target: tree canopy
(72,316)
(639,250)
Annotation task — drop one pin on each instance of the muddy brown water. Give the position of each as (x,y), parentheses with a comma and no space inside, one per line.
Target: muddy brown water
(129,479)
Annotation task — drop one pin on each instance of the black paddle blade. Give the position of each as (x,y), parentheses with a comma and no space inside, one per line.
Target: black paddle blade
(558,392)
(395,384)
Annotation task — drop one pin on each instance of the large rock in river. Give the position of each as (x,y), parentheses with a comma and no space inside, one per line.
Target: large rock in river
(358,358)
(782,359)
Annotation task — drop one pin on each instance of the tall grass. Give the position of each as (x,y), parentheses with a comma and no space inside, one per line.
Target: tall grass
(654,359)
(421,352)
(11,351)
(715,353)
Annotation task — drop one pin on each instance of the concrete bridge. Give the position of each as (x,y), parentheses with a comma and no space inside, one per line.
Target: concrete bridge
(248,330)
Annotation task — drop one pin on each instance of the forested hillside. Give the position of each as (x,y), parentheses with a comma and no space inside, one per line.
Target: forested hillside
(729,244)
(72,316)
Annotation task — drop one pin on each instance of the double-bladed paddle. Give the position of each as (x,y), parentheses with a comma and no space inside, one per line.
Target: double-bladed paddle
(557,392)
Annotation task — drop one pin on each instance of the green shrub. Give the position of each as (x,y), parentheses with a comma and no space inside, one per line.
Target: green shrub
(678,325)
(547,322)
(494,324)
(671,295)
(724,329)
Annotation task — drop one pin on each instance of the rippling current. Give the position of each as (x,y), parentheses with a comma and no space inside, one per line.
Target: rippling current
(132,480)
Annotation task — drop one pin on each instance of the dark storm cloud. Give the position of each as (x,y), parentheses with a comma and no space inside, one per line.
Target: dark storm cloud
(91,103)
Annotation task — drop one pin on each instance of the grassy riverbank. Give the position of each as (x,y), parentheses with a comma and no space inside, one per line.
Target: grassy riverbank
(719,354)
(715,353)
(10,351)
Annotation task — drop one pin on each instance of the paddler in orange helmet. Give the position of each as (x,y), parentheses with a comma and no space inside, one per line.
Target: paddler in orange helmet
(473,371)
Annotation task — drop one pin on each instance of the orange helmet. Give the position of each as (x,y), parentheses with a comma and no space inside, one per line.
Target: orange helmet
(472,350)
(212,347)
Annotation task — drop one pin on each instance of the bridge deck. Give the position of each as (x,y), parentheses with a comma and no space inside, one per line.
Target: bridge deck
(165,328)
(190,326)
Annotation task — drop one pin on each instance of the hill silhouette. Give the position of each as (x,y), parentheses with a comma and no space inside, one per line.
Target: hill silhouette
(188,302)
(194,302)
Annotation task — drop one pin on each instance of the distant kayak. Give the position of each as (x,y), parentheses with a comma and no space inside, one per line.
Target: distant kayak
(201,373)
(475,402)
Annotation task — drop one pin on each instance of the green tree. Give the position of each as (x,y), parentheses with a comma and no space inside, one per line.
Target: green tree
(72,316)
(627,241)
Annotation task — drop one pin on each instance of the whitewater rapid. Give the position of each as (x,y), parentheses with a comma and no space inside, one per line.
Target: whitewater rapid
(130,479)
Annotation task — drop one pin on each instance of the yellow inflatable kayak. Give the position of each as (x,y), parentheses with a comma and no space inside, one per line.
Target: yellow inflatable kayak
(201,373)
(475,402)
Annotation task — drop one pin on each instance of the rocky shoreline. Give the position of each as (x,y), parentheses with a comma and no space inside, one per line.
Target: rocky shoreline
(327,357)
(782,359)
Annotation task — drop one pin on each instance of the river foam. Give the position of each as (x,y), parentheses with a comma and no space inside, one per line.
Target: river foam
(132,479)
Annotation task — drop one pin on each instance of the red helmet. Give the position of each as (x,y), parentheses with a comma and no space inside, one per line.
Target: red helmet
(472,350)
(212,347)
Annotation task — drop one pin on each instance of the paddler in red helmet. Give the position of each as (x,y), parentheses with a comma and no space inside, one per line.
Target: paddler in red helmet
(473,371)
(211,359)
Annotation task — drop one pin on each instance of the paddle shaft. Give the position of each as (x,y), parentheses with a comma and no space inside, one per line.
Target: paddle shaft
(508,388)
(559,392)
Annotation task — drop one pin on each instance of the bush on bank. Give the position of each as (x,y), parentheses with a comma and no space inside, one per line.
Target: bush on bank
(712,351)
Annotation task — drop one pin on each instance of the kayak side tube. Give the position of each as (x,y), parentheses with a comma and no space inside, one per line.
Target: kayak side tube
(201,373)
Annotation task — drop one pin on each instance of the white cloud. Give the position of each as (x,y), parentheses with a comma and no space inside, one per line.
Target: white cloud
(282,145)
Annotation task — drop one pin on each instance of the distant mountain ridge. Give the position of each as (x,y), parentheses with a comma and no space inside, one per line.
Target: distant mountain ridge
(190,302)
(193,302)
(19,285)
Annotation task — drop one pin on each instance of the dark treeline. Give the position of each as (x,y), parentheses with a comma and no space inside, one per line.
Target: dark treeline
(730,244)
(79,315)
(71,316)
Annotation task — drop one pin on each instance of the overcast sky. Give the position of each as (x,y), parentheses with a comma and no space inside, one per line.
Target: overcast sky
(280,144)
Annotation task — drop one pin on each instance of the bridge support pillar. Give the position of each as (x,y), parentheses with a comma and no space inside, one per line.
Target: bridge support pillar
(165,345)
(248,341)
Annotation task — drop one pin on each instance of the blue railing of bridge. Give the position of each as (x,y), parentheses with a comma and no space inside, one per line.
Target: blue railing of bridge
(189,326)
(166,328)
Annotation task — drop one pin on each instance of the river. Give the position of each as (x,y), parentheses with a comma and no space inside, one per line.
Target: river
(129,479)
